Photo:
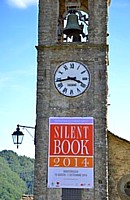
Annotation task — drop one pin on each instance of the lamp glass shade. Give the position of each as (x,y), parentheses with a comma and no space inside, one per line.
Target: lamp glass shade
(17,137)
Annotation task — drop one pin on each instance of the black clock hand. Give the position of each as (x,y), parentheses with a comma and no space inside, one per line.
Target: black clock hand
(69,78)
(66,79)
(60,80)
(74,79)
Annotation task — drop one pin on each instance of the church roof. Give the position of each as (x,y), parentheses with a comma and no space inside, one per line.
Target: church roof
(118,137)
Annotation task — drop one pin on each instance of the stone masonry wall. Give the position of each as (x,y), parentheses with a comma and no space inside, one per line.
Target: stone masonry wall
(92,103)
(119,164)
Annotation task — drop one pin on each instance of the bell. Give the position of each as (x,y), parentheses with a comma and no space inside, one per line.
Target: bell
(73,28)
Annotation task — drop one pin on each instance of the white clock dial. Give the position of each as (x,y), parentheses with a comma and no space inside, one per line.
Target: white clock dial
(72,78)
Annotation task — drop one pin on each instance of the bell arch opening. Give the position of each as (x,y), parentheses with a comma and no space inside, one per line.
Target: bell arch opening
(73,21)
(75,26)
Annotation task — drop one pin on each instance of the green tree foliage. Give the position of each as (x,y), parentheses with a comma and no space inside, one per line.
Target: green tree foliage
(16,175)
(11,186)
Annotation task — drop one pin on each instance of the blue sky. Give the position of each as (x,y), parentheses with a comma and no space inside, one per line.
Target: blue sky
(18,63)
(119,68)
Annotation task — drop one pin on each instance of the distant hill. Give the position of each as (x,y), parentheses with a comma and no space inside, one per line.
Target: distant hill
(16,175)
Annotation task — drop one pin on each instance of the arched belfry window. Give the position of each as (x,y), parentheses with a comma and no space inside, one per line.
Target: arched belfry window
(75,26)
(73,22)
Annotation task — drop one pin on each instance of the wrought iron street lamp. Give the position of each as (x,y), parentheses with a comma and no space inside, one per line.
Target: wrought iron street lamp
(18,135)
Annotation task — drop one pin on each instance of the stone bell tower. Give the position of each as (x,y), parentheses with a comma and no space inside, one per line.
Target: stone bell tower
(72,82)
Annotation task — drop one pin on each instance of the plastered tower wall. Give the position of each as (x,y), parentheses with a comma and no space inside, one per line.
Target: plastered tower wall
(93,102)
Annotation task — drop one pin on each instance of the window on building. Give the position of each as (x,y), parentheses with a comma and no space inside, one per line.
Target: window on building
(71,194)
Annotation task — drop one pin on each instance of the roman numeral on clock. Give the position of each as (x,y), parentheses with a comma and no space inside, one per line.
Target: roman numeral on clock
(83,85)
(78,67)
(78,90)
(65,90)
(83,72)
(60,85)
(72,65)
(65,67)
(60,72)
(84,78)
(71,92)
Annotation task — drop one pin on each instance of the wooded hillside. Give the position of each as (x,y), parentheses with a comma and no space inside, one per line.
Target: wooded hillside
(16,175)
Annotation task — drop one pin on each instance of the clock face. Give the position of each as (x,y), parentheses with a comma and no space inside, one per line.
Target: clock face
(72,78)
